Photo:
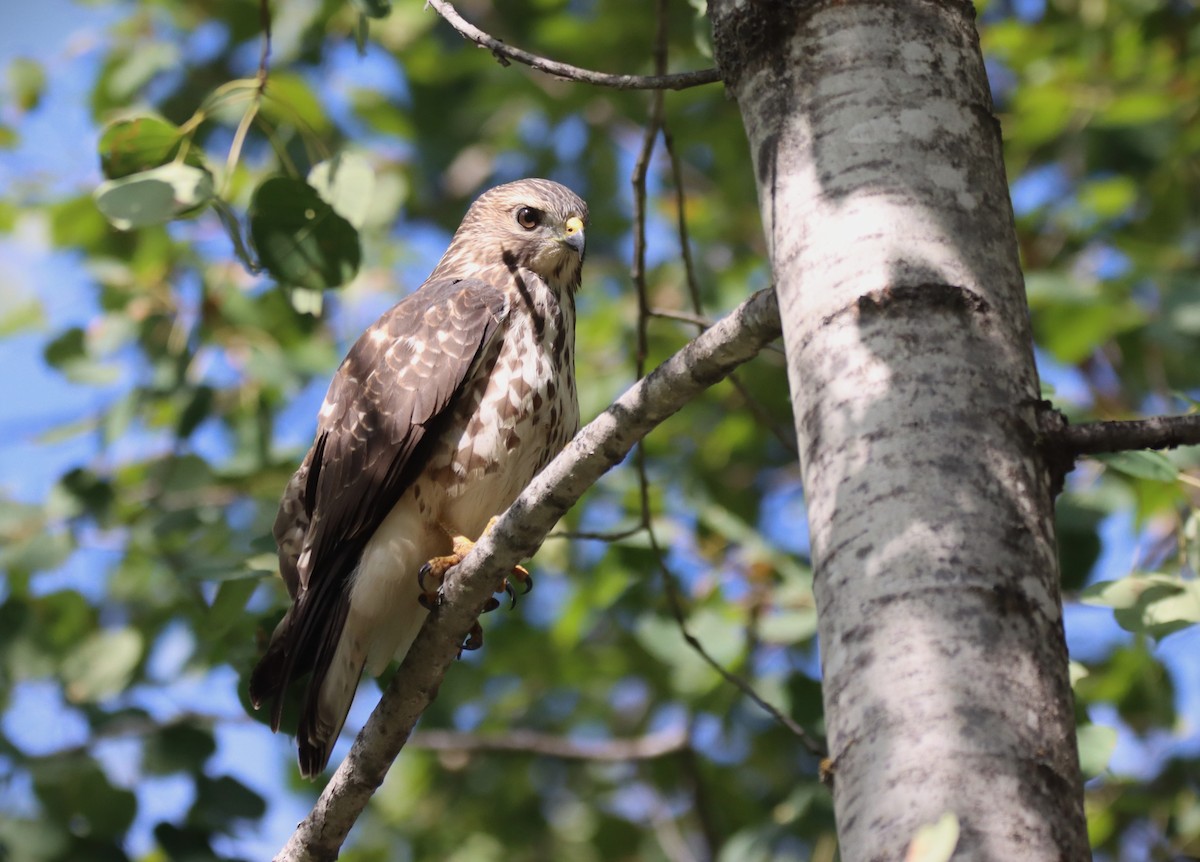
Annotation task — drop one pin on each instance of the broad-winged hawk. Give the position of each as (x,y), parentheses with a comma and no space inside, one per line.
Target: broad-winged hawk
(437,418)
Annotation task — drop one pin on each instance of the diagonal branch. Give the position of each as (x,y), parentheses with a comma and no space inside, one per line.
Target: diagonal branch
(504,53)
(518,533)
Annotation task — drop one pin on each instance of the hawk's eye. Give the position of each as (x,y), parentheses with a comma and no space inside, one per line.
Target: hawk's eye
(529,218)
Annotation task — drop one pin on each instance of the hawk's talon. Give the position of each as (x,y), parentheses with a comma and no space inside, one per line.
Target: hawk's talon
(474,639)
(490,605)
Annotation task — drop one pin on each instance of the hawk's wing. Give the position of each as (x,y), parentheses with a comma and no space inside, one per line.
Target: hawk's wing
(380,419)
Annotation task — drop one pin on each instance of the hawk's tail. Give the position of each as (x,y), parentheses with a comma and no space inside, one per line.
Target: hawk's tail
(330,693)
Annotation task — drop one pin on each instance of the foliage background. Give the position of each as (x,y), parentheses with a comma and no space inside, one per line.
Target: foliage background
(156,397)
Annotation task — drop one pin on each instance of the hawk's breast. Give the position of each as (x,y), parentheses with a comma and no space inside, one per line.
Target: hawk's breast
(517,412)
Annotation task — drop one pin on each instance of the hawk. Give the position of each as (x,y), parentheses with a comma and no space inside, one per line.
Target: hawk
(438,417)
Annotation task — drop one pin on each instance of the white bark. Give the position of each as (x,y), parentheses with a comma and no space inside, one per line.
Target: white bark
(892,246)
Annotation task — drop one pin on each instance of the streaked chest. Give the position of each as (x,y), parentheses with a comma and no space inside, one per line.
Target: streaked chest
(517,413)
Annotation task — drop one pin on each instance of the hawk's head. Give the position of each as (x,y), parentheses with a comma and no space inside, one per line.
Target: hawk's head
(536,224)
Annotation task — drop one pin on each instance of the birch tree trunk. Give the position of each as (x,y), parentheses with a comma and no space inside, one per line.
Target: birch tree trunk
(887,215)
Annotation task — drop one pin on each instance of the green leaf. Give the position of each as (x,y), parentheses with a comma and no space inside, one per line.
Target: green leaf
(179,747)
(135,144)
(154,196)
(1109,197)
(373,8)
(26,82)
(301,241)
(1096,745)
(721,637)
(788,626)
(222,802)
(77,793)
(1142,465)
(228,604)
(292,102)
(199,407)
(345,182)
(1151,604)
(18,315)
(102,665)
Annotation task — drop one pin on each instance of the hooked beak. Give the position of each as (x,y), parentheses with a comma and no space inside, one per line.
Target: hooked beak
(573,235)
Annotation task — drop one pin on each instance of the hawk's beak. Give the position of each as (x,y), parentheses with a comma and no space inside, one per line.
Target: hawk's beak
(573,234)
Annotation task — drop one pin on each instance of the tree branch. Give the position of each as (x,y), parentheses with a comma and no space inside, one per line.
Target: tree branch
(647,747)
(504,53)
(1062,443)
(1158,432)
(518,533)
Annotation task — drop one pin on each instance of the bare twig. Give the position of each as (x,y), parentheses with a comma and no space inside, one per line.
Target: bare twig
(260,78)
(654,125)
(699,321)
(647,747)
(685,243)
(675,603)
(1158,432)
(614,536)
(1063,443)
(264,56)
(641,169)
(504,53)
(604,443)
(701,801)
(787,439)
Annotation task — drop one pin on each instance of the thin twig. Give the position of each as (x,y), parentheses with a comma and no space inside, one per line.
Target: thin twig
(260,78)
(647,747)
(700,321)
(653,127)
(614,536)
(685,243)
(504,53)
(693,283)
(675,603)
(701,801)
(641,169)
(788,441)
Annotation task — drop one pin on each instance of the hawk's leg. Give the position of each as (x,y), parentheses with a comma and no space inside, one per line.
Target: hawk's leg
(431,575)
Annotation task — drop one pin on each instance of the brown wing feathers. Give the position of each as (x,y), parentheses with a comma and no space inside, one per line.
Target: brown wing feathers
(368,451)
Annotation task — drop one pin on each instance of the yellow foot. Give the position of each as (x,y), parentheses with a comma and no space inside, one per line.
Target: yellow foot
(431,576)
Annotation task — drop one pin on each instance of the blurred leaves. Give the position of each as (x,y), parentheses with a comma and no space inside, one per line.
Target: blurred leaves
(1150,604)
(145,573)
(301,240)
(139,143)
(154,196)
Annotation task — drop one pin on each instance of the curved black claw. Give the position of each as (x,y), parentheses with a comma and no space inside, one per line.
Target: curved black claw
(422,574)
(512,594)
(474,638)
(528,582)
(490,605)
(427,600)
